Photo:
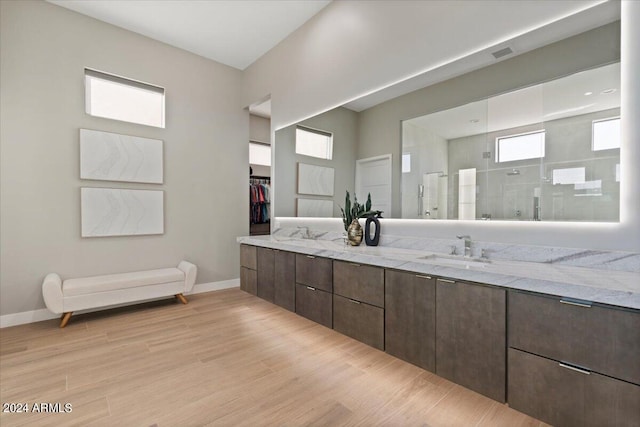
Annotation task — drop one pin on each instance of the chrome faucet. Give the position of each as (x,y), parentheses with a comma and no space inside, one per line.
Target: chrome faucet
(467,244)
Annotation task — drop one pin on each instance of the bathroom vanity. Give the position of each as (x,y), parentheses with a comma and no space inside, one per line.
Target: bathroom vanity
(558,342)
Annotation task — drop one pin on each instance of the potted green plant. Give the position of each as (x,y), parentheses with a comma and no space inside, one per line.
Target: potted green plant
(350,215)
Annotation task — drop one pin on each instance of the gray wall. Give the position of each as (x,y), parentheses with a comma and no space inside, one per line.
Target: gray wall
(44,49)
(380,126)
(343,124)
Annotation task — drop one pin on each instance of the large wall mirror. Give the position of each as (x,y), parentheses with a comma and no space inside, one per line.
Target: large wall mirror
(548,152)
(533,137)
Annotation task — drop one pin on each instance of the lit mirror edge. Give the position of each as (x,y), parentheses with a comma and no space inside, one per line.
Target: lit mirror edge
(568,234)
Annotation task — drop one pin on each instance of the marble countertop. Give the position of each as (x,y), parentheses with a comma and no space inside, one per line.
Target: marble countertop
(612,287)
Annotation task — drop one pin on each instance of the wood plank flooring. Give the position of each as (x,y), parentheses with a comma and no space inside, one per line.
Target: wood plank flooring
(225,359)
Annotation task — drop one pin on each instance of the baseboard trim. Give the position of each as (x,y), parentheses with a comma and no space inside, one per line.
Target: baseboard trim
(15,319)
(215,286)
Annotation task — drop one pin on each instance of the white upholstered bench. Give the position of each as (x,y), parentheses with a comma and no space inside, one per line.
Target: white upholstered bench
(100,291)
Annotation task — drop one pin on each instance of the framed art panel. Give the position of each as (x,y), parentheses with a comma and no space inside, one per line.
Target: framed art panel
(315,180)
(109,156)
(121,212)
(314,208)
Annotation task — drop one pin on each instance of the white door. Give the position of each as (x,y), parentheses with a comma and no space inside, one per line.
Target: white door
(373,176)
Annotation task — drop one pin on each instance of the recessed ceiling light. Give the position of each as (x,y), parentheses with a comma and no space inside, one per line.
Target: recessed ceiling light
(474,121)
(588,93)
(607,91)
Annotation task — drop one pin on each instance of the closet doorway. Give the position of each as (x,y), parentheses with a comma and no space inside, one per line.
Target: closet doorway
(260,169)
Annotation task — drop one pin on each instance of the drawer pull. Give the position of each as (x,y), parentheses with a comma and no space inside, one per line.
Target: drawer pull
(311,257)
(446,281)
(573,368)
(310,288)
(354,264)
(578,303)
(419,276)
(354,301)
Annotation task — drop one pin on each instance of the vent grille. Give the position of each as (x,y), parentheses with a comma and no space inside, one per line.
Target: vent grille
(502,52)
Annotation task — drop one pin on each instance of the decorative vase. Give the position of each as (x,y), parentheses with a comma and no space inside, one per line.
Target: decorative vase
(354,233)
(372,241)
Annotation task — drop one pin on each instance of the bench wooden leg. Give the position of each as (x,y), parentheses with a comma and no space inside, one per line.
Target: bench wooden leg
(181,298)
(65,319)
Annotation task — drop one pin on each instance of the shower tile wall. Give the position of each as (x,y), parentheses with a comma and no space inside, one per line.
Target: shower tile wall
(505,195)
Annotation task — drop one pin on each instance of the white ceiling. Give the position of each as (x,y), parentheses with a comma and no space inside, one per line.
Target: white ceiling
(235,33)
(581,93)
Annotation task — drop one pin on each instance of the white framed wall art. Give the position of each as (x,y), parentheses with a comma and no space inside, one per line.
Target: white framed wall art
(110,156)
(121,212)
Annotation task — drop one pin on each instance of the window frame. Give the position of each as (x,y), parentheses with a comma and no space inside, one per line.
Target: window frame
(317,132)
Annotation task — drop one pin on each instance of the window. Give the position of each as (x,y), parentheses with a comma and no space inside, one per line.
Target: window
(118,98)
(569,176)
(259,154)
(314,143)
(605,134)
(406,162)
(520,147)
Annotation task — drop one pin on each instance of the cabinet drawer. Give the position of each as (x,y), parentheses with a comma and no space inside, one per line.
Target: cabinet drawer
(604,340)
(315,272)
(358,320)
(563,396)
(248,257)
(314,304)
(359,282)
(249,280)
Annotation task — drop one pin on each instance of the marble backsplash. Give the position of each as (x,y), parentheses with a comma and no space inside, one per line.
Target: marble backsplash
(588,258)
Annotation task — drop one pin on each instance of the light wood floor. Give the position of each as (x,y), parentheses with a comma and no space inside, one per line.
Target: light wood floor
(227,359)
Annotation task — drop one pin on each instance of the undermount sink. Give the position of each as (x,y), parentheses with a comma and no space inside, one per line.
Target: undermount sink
(457,261)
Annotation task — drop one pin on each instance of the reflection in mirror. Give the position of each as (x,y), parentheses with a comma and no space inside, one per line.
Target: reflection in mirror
(549,152)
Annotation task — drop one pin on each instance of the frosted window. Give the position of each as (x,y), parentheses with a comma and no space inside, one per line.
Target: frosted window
(117,98)
(606,134)
(406,162)
(520,147)
(569,176)
(314,143)
(259,154)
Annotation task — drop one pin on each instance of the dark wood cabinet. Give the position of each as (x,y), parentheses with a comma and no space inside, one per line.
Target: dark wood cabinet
(362,283)
(410,318)
(358,302)
(471,336)
(249,280)
(285,280)
(248,267)
(314,304)
(358,320)
(605,340)
(564,395)
(315,272)
(266,274)
(248,256)
(570,362)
